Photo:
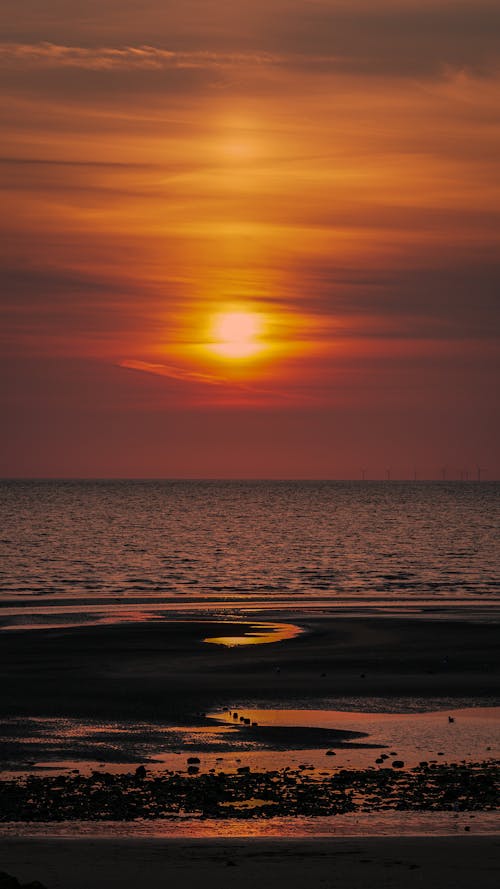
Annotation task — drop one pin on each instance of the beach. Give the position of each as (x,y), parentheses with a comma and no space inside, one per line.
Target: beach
(139,721)
(413,862)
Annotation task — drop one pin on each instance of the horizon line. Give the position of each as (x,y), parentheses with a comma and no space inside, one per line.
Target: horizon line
(216,478)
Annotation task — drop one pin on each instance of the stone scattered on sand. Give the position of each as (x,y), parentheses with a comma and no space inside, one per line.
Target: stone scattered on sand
(193,760)
(286,792)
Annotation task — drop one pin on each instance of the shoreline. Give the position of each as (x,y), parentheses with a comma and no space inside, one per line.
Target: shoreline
(94,612)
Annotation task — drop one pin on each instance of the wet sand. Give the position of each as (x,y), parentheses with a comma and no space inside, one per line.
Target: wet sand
(164,671)
(379,862)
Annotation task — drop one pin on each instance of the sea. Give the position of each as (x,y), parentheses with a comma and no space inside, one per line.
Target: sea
(76,552)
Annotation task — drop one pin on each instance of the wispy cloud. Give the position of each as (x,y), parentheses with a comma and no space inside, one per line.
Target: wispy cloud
(105,58)
(418,47)
(230,390)
(173,372)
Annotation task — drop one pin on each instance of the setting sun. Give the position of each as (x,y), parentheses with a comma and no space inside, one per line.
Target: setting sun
(236,334)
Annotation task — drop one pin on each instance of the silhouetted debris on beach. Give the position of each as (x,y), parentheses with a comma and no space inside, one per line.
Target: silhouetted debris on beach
(245,794)
(9,882)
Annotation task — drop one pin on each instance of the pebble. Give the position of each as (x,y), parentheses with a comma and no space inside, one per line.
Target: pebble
(454,787)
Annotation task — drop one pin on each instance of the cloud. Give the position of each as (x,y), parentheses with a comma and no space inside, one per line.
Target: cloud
(49,55)
(72,311)
(396,39)
(173,372)
(230,391)
(450,299)
(63,162)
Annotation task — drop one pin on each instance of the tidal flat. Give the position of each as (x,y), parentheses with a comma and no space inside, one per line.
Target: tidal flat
(377,727)
(86,751)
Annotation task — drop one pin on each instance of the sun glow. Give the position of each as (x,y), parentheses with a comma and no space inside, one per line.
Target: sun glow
(237,334)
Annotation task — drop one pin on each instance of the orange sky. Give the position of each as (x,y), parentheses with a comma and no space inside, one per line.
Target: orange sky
(329,169)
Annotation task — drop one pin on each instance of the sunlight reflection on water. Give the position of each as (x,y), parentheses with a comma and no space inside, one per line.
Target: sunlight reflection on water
(374,824)
(251,545)
(258,634)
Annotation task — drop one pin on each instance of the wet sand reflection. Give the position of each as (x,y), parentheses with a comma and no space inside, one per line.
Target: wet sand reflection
(257,634)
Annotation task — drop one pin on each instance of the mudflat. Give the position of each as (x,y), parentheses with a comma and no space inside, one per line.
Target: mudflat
(163,670)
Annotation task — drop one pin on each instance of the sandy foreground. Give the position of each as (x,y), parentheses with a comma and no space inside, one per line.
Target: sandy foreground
(388,863)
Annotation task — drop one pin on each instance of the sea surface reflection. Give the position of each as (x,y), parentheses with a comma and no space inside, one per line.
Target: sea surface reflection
(129,548)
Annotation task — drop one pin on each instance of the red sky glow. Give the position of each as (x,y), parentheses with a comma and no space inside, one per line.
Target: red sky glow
(252,239)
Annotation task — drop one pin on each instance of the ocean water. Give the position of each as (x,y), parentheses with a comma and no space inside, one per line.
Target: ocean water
(77,551)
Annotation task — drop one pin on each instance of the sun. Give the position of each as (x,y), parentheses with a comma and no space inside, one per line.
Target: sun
(237,334)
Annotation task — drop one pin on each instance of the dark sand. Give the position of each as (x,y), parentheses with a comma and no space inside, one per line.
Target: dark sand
(380,862)
(164,671)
